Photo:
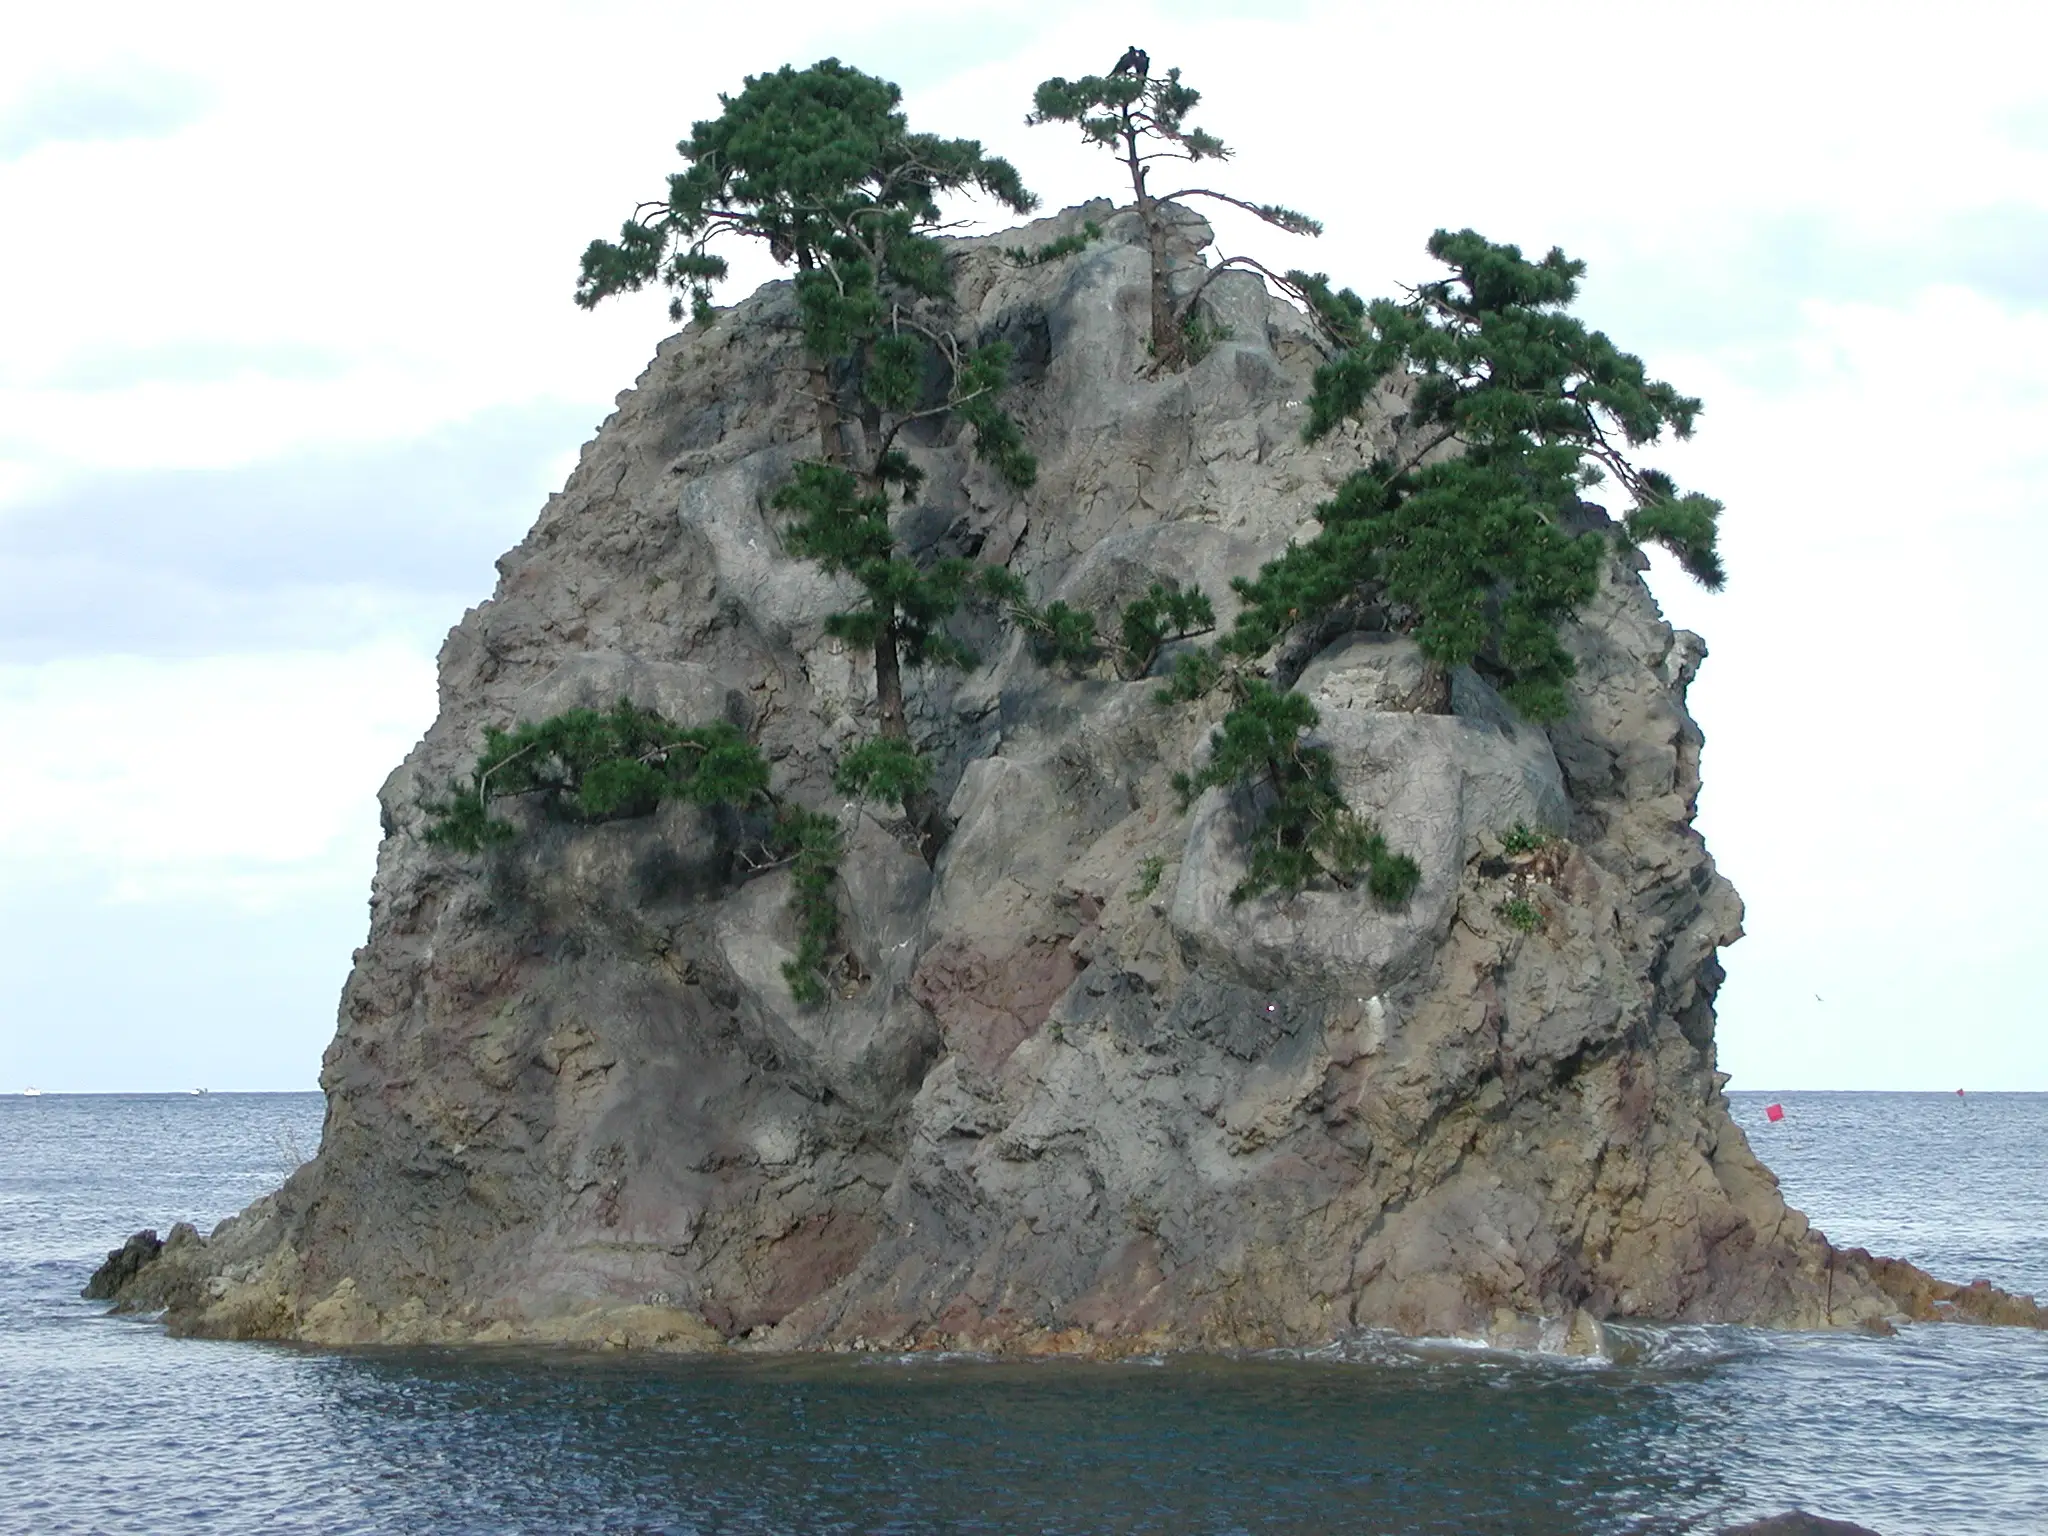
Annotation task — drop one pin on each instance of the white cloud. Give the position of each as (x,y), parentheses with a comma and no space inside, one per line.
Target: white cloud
(237,779)
(108,105)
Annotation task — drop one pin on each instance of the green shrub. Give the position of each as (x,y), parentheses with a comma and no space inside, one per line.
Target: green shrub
(598,765)
(1521,914)
(1200,335)
(1306,831)
(883,769)
(593,766)
(1053,250)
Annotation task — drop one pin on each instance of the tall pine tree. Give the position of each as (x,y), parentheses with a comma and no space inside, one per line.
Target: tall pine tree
(1143,119)
(1472,536)
(821,166)
(1469,534)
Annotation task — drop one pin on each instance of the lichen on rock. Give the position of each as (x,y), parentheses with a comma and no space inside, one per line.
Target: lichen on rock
(1070,1097)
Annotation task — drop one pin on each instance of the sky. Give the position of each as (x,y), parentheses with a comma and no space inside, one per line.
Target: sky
(289,358)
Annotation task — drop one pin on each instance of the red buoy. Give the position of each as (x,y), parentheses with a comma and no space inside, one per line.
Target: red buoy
(1774,1113)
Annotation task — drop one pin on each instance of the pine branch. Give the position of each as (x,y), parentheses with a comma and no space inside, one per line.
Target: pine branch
(1271,213)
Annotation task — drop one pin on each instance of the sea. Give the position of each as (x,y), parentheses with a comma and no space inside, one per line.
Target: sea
(108,1425)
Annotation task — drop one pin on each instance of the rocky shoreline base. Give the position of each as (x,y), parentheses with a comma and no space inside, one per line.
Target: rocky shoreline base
(183,1279)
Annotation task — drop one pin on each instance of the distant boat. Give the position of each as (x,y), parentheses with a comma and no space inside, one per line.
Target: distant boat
(31,1093)
(201,1091)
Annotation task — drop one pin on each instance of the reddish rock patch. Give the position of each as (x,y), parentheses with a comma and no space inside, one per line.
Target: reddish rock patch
(814,1256)
(988,1005)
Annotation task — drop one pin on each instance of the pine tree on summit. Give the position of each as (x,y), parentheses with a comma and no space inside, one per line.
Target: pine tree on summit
(1144,120)
(821,166)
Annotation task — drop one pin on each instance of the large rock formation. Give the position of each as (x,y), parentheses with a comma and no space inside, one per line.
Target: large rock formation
(1076,1099)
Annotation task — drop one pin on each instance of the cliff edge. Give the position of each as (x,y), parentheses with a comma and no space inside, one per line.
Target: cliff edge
(1070,1097)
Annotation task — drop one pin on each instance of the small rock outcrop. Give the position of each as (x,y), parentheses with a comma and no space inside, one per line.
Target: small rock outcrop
(1075,1099)
(123,1265)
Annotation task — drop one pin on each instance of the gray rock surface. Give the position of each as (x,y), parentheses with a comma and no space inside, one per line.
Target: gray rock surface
(1074,1099)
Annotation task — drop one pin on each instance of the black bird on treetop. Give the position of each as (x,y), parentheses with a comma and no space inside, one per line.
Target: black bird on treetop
(1136,61)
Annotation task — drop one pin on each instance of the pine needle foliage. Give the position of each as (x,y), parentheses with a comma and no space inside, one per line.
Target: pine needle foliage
(846,529)
(1053,250)
(1463,538)
(1304,831)
(979,377)
(1496,364)
(589,766)
(1064,634)
(1514,409)
(821,166)
(883,769)
(1057,633)
(592,765)
(1060,634)
(1196,674)
(1143,119)
(1167,611)
(810,843)
(1340,314)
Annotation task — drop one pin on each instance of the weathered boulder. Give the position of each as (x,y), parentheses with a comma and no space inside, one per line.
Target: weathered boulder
(1070,1097)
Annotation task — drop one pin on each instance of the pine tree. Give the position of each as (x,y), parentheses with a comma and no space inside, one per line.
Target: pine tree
(1466,533)
(1469,537)
(821,166)
(592,766)
(1303,829)
(1144,119)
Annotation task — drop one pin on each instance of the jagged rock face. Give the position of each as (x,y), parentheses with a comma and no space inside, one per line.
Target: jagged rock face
(1077,1099)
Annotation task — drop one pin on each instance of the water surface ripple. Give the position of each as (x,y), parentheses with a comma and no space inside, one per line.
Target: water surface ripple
(108,1426)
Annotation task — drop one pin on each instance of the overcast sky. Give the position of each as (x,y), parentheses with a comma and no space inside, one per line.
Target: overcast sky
(289,358)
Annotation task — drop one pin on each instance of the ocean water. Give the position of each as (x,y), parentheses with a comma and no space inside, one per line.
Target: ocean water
(106,1425)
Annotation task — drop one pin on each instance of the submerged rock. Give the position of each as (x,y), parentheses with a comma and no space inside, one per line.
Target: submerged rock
(1797,1523)
(1074,1099)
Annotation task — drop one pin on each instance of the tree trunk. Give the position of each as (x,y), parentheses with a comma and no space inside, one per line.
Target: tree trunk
(1167,349)
(889,686)
(831,441)
(927,817)
(1432,695)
